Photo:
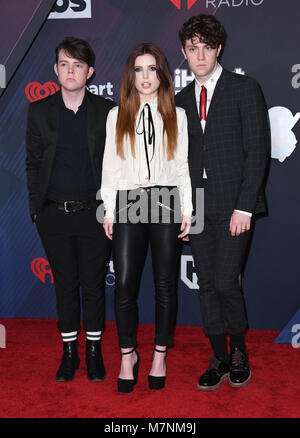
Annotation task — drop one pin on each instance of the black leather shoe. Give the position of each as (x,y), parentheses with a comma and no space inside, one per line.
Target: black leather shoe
(240,374)
(70,362)
(125,386)
(214,376)
(94,362)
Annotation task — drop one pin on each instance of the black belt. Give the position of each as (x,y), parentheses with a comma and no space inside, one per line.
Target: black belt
(73,206)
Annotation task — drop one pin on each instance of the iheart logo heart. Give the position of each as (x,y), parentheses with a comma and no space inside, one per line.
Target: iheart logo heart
(36,91)
(40,267)
(178,5)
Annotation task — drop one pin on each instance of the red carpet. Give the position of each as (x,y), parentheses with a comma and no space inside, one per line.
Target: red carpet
(29,362)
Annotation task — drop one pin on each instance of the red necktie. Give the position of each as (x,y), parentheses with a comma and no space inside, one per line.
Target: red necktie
(202,111)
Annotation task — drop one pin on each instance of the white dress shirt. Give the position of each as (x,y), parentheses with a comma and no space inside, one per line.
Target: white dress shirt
(132,173)
(210,86)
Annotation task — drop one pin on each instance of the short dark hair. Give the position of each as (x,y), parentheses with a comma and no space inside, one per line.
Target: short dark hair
(206,27)
(78,49)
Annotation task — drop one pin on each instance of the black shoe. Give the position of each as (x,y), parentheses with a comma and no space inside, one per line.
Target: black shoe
(94,362)
(70,362)
(240,374)
(214,376)
(125,386)
(156,382)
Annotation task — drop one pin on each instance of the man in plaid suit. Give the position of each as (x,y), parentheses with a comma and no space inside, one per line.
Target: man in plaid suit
(229,149)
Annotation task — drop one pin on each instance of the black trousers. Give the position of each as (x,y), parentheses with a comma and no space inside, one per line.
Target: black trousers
(219,258)
(130,245)
(78,252)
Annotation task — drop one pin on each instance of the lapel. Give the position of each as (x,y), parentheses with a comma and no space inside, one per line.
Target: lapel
(217,97)
(91,124)
(191,108)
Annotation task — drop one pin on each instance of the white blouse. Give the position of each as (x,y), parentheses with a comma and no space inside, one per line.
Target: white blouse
(132,173)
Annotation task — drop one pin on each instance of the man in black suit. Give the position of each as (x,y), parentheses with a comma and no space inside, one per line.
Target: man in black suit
(64,150)
(229,148)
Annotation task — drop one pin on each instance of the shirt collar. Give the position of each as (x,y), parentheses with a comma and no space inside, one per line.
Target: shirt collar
(83,104)
(211,82)
(153,104)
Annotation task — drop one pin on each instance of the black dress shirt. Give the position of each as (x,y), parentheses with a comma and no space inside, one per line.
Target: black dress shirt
(72,175)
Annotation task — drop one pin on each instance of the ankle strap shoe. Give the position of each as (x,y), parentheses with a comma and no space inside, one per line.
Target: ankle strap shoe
(125,386)
(154,382)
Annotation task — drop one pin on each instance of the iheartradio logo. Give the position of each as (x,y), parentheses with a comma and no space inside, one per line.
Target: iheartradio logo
(178,3)
(40,267)
(36,91)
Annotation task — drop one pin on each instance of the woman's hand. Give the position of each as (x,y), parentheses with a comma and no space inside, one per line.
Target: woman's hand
(185,228)
(108,227)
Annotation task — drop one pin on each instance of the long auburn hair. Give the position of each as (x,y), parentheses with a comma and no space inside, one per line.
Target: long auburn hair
(130,101)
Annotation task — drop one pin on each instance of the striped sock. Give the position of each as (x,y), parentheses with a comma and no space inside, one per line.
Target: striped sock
(93,336)
(68,337)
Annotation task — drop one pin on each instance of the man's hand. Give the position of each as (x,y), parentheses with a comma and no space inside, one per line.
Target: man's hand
(239,223)
(108,227)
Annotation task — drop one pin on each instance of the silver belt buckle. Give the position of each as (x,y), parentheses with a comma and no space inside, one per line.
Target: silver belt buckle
(65,207)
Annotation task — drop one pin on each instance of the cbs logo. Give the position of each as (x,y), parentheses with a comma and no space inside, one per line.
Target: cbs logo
(71,9)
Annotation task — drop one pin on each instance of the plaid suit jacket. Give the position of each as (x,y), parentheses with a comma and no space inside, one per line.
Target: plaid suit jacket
(235,147)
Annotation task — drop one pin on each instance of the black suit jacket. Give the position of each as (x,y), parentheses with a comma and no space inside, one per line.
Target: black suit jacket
(41,140)
(235,147)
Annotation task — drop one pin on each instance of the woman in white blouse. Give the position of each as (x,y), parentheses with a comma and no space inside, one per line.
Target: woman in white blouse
(145,172)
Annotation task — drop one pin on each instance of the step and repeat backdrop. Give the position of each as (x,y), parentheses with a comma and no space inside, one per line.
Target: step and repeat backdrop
(263,42)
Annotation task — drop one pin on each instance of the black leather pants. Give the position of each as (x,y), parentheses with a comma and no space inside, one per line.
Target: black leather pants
(130,245)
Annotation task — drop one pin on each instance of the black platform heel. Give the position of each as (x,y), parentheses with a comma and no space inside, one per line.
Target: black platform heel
(125,386)
(157,382)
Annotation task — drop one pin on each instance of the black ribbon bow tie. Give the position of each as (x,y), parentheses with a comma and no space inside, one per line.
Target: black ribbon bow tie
(141,130)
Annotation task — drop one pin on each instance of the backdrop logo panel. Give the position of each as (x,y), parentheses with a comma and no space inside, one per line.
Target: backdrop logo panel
(40,267)
(187,274)
(283,139)
(110,277)
(233,3)
(36,91)
(182,77)
(102,89)
(71,9)
(216,3)
(179,3)
(110,19)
